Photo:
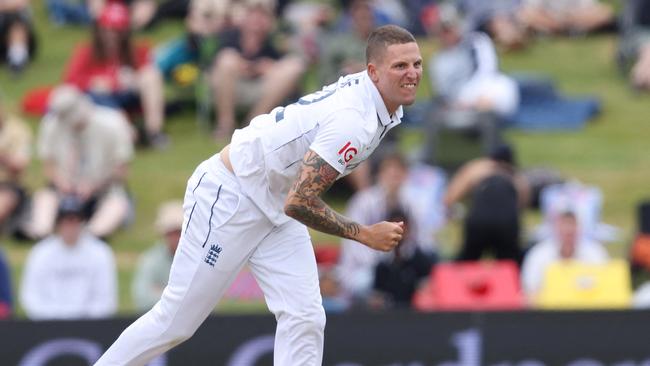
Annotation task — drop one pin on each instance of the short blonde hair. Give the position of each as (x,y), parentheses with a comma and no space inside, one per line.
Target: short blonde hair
(385,36)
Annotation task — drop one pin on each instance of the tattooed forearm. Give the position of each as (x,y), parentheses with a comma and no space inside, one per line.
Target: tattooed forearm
(305,204)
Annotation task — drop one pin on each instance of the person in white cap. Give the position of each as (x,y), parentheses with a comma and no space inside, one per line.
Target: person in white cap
(152,270)
(252,203)
(86,150)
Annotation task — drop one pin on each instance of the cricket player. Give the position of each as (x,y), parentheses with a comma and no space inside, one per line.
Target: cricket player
(252,203)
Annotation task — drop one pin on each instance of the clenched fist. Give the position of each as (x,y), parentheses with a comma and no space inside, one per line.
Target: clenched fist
(382,236)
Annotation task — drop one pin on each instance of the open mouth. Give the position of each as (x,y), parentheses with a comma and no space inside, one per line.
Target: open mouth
(409,85)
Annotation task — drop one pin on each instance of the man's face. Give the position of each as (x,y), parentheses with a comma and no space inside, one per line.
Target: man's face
(397,74)
(69,228)
(258,22)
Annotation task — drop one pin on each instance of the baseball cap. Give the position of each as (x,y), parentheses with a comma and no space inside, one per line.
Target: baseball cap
(114,16)
(70,206)
(69,104)
(170,217)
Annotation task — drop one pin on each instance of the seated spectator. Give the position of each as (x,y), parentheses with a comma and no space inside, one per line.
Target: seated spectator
(357,262)
(152,270)
(566,16)
(343,53)
(15,154)
(249,70)
(567,244)
(465,71)
(6,299)
(198,45)
(17,39)
(398,275)
(634,43)
(118,72)
(498,194)
(70,274)
(85,149)
(498,18)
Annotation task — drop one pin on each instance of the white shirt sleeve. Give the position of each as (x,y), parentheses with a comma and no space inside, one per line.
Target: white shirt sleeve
(339,141)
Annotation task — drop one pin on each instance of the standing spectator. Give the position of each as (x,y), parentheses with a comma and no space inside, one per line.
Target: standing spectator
(465,71)
(17,39)
(566,244)
(6,299)
(152,270)
(71,274)
(117,72)
(85,149)
(15,153)
(250,70)
(498,193)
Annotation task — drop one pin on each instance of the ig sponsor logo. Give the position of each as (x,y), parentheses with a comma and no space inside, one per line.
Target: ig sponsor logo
(348,152)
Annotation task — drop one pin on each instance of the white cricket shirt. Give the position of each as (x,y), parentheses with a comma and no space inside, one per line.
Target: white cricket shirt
(343,123)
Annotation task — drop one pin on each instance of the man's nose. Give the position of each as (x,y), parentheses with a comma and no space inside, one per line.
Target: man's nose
(412,72)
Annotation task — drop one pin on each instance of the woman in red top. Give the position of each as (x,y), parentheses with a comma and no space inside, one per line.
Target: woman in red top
(118,73)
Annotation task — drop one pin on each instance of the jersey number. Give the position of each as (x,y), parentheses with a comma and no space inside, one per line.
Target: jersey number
(316,97)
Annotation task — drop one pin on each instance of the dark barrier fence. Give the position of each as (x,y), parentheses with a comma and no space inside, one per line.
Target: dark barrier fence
(612,338)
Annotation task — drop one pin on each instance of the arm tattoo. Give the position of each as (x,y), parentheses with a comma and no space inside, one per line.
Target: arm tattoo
(305,204)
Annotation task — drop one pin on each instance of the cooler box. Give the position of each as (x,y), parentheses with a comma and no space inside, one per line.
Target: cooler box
(573,285)
(480,285)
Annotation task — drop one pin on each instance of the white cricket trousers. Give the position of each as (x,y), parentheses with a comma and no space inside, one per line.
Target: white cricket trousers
(222,231)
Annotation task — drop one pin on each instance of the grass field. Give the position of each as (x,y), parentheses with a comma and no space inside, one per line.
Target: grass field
(610,153)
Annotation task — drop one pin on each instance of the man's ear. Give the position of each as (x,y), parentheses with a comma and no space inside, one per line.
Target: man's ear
(372,72)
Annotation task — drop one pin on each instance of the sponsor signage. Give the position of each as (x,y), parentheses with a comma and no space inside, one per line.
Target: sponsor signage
(526,338)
